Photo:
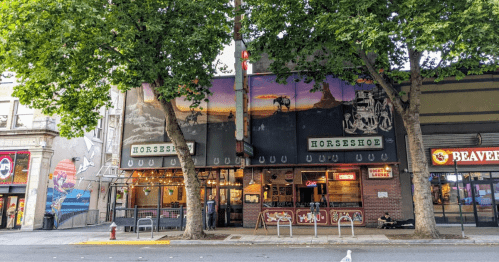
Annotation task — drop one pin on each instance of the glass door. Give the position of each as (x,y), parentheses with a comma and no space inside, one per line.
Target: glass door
(231,197)
(231,206)
(20,213)
(484,204)
(495,192)
(11,211)
(3,218)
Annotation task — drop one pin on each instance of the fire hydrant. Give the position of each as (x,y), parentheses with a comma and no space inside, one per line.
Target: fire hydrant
(113,231)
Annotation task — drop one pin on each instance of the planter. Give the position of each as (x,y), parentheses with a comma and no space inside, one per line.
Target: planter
(170,192)
(147,192)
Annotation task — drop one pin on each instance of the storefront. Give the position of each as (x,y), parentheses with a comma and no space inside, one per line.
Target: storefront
(476,191)
(361,192)
(165,189)
(336,147)
(14,168)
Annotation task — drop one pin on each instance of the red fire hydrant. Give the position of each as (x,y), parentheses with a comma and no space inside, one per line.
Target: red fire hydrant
(113,231)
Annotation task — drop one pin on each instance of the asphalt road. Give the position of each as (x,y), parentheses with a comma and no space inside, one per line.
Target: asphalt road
(438,253)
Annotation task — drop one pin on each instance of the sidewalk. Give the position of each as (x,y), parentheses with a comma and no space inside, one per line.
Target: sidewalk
(99,235)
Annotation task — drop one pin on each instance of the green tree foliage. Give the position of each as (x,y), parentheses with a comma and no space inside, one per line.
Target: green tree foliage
(68,53)
(376,39)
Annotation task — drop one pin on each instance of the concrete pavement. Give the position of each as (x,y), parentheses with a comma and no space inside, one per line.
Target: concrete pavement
(99,235)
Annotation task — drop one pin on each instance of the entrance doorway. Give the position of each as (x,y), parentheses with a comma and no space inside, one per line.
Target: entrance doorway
(11,211)
(231,206)
(485,203)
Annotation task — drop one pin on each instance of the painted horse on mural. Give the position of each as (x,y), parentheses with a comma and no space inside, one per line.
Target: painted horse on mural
(282,101)
(193,117)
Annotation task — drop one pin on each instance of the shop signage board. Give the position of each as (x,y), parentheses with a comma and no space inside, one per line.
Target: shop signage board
(244,148)
(344,176)
(465,156)
(380,172)
(248,149)
(157,149)
(6,166)
(345,143)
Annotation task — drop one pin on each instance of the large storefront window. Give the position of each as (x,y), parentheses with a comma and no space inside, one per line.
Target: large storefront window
(14,167)
(278,187)
(333,188)
(344,189)
(445,202)
(312,189)
(477,191)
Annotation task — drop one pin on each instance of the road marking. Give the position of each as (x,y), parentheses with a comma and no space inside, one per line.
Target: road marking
(306,247)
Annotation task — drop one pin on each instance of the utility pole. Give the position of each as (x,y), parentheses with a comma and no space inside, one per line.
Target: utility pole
(240,86)
(459,198)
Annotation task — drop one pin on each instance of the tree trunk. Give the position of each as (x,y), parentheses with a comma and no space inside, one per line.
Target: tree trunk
(194,225)
(423,204)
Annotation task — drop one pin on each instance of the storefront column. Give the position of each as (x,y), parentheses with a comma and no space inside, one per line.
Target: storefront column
(36,189)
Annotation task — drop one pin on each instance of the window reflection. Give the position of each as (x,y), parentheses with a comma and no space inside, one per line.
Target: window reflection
(15,167)
(311,189)
(277,188)
(344,189)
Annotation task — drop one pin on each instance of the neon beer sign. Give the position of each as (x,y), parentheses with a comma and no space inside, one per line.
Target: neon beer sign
(311,183)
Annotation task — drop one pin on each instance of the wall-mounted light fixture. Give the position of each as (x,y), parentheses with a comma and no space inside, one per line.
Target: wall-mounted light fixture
(252,181)
(74,159)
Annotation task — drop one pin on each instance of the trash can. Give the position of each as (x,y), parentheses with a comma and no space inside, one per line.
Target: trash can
(48,221)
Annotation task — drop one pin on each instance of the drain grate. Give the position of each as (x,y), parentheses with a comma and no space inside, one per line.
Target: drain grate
(236,237)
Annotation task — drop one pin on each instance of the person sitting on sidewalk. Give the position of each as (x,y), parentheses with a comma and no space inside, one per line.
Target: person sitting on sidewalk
(386,221)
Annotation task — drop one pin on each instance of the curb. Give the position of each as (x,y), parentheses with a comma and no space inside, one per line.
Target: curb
(126,242)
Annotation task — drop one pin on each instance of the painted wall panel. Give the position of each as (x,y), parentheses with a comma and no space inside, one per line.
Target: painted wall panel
(221,141)
(142,124)
(193,125)
(283,117)
(273,120)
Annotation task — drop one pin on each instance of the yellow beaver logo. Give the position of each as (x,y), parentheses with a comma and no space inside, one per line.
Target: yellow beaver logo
(440,157)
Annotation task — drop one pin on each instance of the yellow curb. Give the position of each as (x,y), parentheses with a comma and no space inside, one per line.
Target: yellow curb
(126,242)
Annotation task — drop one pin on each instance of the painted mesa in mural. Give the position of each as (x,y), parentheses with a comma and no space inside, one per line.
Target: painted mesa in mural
(282,118)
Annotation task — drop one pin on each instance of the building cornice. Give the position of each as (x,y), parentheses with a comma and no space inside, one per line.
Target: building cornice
(29,132)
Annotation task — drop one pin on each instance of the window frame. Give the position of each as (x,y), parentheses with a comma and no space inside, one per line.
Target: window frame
(8,113)
(15,116)
(97,133)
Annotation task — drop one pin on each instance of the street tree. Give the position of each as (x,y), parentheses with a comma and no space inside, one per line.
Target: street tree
(67,55)
(377,39)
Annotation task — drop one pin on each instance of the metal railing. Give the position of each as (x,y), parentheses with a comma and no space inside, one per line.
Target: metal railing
(339,225)
(167,218)
(288,219)
(151,225)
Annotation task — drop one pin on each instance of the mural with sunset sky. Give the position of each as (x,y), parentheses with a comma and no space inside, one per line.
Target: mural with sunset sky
(282,117)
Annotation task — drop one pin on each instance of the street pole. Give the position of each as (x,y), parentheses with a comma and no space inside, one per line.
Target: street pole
(459,198)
